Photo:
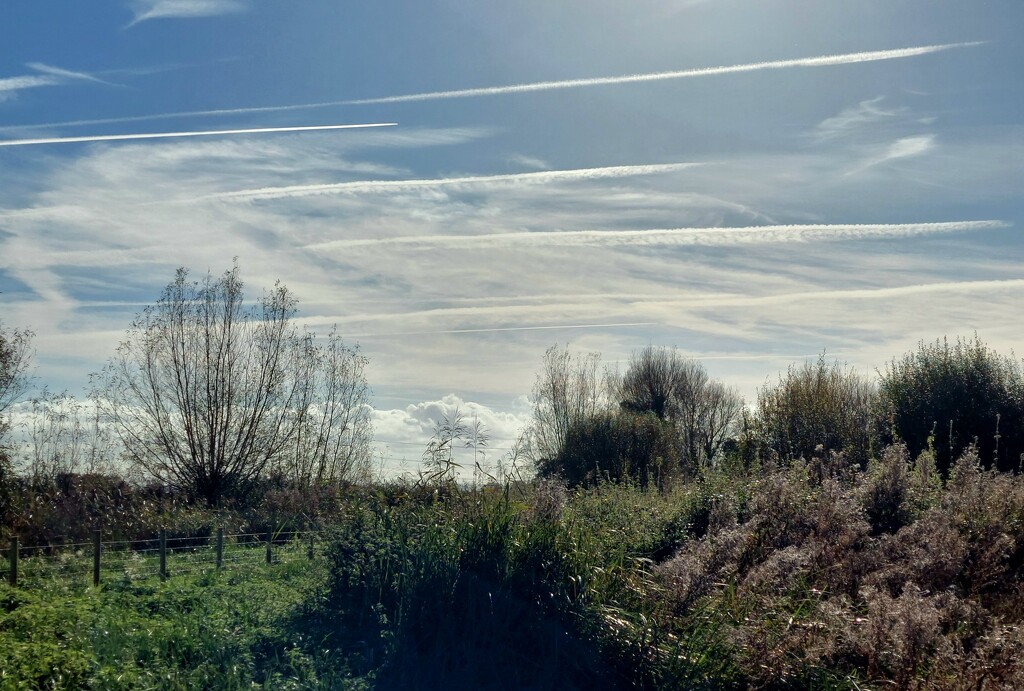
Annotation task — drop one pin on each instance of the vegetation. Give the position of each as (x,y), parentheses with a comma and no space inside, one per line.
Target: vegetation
(954,396)
(209,396)
(833,540)
(817,408)
(736,578)
(663,417)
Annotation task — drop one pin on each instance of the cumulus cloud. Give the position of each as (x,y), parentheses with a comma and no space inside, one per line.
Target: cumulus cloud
(401,434)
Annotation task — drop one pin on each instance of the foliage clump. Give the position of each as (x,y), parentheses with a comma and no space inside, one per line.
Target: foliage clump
(954,396)
(815,409)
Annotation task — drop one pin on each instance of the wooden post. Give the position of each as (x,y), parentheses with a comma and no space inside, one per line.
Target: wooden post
(270,554)
(163,555)
(220,548)
(95,557)
(12,575)
(309,550)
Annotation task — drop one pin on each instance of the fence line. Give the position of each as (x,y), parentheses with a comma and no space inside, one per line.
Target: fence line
(25,562)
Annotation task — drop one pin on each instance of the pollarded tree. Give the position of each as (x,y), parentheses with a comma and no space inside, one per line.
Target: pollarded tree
(677,389)
(209,394)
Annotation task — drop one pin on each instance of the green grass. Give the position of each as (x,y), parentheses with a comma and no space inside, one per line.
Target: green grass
(232,629)
(776,578)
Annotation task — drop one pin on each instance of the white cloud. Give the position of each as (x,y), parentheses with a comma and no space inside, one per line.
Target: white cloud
(865,115)
(10,86)
(689,237)
(443,312)
(48,76)
(179,135)
(64,74)
(907,147)
(402,434)
(145,10)
(535,178)
(819,61)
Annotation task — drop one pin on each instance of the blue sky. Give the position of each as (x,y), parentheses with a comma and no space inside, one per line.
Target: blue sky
(850,183)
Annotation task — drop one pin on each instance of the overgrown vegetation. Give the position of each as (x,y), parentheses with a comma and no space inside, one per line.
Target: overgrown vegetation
(837,535)
(955,396)
(777,577)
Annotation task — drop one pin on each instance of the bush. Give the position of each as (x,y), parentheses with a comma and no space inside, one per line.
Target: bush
(955,395)
(615,446)
(817,405)
(471,597)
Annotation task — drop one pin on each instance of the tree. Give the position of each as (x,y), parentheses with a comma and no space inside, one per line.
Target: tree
(953,396)
(567,391)
(679,390)
(15,361)
(209,395)
(65,436)
(818,404)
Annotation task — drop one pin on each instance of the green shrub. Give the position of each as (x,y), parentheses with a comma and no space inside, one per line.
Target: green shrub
(615,446)
(815,409)
(478,597)
(959,395)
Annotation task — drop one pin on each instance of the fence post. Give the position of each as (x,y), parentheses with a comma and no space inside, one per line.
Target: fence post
(220,548)
(95,557)
(163,555)
(12,575)
(270,554)
(309,550)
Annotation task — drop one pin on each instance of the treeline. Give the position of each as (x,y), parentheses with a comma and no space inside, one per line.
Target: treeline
(665,417)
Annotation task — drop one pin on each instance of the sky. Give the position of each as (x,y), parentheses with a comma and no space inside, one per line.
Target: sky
(753,183)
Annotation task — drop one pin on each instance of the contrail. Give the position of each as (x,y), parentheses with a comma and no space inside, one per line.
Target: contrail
(379,185)
(822,61)
(504,328)
(202,133)
(703,237)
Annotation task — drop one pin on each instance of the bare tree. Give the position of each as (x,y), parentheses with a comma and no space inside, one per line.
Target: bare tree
(15,360)
(64,435)
(568,391)
(333,440)
(679,390)
(208,395)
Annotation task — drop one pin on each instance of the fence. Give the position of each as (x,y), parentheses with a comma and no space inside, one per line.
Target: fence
(161,557)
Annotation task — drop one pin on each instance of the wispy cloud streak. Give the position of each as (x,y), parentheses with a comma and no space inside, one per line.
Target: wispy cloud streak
(49,76)
(63,73)
(200,133)
(10,85)
(184,9)
(539,177)
(548,327)
(906,147)
(704,237)
(821,61)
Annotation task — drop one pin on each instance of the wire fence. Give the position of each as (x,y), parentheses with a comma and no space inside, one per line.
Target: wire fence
(155,558)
